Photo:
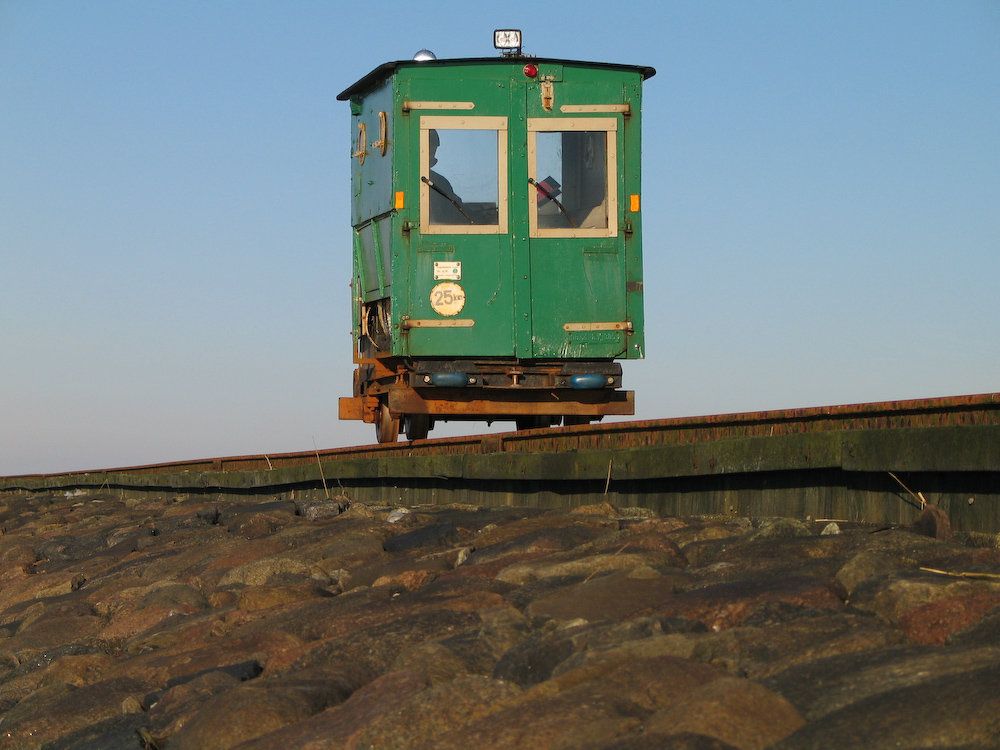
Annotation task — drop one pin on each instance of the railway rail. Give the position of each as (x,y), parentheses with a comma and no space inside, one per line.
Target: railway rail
(874,462)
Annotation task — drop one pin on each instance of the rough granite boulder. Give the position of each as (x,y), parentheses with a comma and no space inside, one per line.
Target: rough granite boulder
(194,622)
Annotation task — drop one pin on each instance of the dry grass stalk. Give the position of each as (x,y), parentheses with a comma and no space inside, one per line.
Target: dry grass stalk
(918,495)
(598,570)
(320,465)
(963,574)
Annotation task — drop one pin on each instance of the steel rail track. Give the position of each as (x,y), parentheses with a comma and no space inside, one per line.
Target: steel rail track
(847,462)
(976,410)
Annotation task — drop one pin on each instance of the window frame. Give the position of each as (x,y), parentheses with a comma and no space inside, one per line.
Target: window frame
(464,122)
(607,125)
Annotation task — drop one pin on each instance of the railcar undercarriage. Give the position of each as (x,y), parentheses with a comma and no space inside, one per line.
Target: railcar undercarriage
(410,395)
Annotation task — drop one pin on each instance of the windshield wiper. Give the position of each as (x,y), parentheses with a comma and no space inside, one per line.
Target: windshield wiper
(454,202)
(545,191)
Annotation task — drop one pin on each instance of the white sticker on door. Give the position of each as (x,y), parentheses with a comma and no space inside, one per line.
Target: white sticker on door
(450,270)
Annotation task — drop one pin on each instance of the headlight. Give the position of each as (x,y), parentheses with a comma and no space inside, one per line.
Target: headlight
(508,40)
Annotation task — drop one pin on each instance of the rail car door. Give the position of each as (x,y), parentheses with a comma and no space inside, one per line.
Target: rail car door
(576,223)
(461,298)
(520,247)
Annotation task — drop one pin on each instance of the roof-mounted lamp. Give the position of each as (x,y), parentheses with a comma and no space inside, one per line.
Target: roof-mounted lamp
(508,41)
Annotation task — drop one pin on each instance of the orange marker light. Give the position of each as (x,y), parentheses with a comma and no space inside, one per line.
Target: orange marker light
(400,200)
(634,204)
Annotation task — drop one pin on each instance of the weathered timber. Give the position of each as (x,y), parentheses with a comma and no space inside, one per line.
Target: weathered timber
(834,473)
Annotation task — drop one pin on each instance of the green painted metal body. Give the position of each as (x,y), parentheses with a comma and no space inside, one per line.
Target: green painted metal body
(525,292)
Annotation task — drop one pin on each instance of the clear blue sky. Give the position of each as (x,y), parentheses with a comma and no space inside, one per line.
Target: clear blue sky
(821,198)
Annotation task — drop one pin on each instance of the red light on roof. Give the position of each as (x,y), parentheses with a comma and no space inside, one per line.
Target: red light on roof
(531,70)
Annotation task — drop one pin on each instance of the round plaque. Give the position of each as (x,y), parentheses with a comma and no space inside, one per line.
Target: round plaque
(447,298)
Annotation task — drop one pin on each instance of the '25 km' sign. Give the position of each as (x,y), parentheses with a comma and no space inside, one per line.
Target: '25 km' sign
(447,298)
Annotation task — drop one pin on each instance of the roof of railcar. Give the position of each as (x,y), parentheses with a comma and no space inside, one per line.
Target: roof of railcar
(387,69)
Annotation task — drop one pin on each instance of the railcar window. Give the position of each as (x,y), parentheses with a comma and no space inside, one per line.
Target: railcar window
(572,166)
(463,170)
(575,169)
(463,175)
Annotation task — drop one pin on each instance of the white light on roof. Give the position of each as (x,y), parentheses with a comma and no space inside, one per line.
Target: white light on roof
(424,55)
(507,40)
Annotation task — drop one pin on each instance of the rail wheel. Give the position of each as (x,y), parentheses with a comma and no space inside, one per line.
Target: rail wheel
(417,426)
(532,423)
(387,426)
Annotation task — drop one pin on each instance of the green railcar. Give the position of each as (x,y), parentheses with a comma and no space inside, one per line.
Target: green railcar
(497,241)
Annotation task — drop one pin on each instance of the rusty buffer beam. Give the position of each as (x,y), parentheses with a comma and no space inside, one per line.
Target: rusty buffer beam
(863,461)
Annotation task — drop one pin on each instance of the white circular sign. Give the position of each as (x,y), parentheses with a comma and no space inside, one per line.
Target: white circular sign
(447,298)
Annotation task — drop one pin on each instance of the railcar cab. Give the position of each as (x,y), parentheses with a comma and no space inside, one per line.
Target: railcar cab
(497,240)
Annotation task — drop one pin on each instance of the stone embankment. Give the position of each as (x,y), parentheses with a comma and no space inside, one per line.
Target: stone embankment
(190,624)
